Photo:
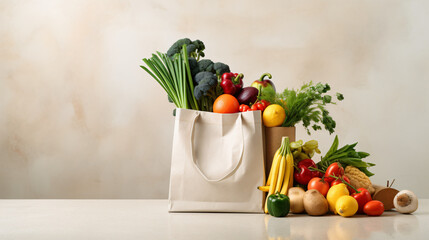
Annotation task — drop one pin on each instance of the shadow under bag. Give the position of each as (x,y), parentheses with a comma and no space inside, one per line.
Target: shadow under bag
(217,162)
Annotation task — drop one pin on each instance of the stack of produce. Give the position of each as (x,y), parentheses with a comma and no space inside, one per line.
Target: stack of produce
(201,84)
(339,182)
(192,82)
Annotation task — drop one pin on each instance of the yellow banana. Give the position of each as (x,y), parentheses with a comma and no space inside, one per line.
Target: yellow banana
(264,188)
(281,175)
(273,183)
(276,158)
(288,180)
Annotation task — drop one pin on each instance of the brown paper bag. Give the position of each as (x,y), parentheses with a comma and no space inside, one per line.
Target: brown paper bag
(273,139)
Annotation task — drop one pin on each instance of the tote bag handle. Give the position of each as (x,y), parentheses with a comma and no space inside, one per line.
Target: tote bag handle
(232,171)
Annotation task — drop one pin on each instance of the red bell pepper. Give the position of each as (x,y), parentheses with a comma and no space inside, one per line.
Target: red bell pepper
(335,169)
(362,197)
(232,83)
(304,174)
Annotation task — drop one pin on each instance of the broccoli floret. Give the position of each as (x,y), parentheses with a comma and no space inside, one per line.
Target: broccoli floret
(191,48)
(206,65)
(177,46)
(194,48)
(203,75)
(193,65)
(206,81)
(199,44)
(221,68)
(202,88)
(200,47)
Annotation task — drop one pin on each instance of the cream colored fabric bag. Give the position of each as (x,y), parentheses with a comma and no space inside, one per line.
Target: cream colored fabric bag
(217,162)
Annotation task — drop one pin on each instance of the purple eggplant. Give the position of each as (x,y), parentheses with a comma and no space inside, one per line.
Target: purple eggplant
(248,95)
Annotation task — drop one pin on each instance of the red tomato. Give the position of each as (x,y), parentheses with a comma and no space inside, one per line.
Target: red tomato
(259,106)
(373,208)
(265,103)
(337,181)
(320,185)
(334,169)
(254,108)
(243,108)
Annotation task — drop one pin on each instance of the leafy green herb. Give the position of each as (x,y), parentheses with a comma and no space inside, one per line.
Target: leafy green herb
(307,104)
(346,156)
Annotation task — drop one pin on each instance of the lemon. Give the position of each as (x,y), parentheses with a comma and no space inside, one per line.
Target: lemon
(274,115)
(346,206)
(334,193)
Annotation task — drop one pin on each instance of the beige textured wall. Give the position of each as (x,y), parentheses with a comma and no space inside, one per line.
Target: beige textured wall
(80,119)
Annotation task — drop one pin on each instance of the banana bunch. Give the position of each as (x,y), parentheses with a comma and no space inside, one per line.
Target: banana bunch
(280,178)
(301,150)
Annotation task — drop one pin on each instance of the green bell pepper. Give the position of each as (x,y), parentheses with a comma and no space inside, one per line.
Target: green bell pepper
(278,205)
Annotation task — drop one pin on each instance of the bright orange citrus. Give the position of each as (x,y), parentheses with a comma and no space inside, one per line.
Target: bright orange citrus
(225,103)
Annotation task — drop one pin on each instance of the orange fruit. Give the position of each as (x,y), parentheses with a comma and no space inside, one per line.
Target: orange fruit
(226,103)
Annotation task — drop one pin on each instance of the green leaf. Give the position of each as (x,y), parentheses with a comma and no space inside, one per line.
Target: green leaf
(333,148)
(327,99)
(347,148)
(355,162)
(363,154)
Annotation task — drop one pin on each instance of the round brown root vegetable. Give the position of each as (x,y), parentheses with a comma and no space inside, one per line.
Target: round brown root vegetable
(315,203)
(405,202)
(296,197)
(385,195)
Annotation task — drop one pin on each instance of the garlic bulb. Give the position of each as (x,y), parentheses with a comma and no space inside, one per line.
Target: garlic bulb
(405,201)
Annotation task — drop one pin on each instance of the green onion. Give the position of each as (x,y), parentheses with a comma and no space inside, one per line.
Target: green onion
(174,76)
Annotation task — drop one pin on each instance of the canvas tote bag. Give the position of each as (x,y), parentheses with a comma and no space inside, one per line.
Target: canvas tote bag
(217,162)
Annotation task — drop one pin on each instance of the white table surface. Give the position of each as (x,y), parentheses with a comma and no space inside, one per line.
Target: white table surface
(149,219)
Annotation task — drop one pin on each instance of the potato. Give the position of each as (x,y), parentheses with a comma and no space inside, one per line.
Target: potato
(315,203)
(296,197)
